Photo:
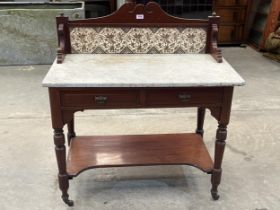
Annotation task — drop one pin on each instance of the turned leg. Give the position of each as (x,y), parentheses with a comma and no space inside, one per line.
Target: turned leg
(221,136)
(63,179)
(200,120)
(71,132)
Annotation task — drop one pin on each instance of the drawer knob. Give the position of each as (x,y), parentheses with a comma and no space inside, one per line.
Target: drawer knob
(184,97)
(100,99)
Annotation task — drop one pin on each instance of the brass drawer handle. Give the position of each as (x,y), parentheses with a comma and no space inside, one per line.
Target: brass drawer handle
(100,99)
(184,97)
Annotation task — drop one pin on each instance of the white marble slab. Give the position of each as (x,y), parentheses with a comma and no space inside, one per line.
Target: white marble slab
(141,70)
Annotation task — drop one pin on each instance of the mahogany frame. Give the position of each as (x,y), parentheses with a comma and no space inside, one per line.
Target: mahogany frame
(63,108)
(125,16)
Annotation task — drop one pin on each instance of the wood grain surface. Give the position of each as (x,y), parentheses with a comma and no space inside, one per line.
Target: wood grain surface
(137,150)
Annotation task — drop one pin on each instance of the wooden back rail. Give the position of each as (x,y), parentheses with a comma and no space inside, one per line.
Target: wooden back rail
(138,17)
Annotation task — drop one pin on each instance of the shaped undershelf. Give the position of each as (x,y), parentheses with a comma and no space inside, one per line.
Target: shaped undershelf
(137,150)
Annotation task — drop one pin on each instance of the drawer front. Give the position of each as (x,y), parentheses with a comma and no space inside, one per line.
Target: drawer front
(101,99)
(229,34)
(243,2)
(231,2)
(183,97)
(226,2)
(231,15)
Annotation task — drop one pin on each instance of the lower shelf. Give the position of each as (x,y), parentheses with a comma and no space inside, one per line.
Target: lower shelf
(137,150)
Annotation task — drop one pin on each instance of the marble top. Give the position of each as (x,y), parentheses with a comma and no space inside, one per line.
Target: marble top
(141,70)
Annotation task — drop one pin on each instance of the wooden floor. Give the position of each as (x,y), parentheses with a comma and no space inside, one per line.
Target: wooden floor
(137,150)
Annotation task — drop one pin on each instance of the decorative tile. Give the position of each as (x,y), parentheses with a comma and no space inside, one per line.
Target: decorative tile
(136,40)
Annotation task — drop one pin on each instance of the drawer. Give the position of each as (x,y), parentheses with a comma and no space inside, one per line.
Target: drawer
(183,97)
(231,15)
(229,34)
(231,2)
(101,98)
(243,2)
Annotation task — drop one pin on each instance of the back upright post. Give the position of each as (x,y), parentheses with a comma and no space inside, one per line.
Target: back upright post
(212,38)
(63,35)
